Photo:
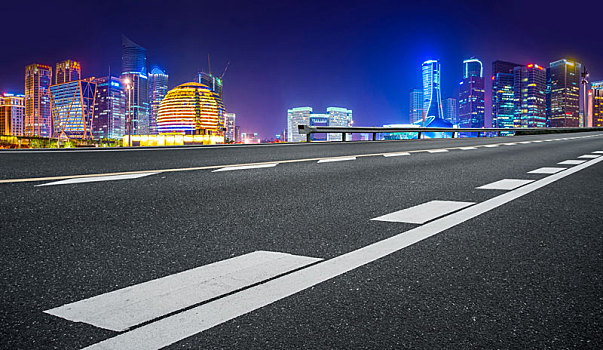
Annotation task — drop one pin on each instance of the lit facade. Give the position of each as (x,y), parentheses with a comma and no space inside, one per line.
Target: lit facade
(191,109)
(432,97)
(471,95)
(529,85)
(109,109)
(319,119)
(229,125)
(12,114)
(134,75)
(451,110)
(73,109)
(213,82)
(503,94)
(67,71)
(564,93)
(297,116)
(596,110)
(415,112)
(339,117)
(38,115)
(158,87)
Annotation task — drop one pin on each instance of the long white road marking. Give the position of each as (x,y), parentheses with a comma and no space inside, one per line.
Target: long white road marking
(467,148)
(490,146)
(571,162)
(546,170)
(174,328)
(537,141)
(505,184)
(524,142)
(589,156)
(598,152)
(511,143)
(127,307)
(246,167)
(340,159)
(96,179)
(396,154)
(422,213)
(437,150)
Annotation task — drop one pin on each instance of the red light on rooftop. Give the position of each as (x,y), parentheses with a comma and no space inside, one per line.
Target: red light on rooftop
(492,77)
(530,65)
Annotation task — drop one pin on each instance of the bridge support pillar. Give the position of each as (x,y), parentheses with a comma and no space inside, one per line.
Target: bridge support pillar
(453,134)
(343,137)
(478,133)
(419,135)
(308,138)
(374,136)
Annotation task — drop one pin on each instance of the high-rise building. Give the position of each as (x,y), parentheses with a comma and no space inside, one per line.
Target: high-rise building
(73,109)
(297,116)
(134,75)
(158,87)
(67,71)
(432,97)
(109,109)
(503,95)
(38,119)
(237,134)
(211,81)
(596,110)
(229,125)
(339,117)
(416,105)
(451,110)
(471,95)
(564,93)
(12,114)
(529,88)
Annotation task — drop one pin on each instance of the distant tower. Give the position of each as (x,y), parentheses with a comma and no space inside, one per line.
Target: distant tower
(416,105)
(339,117)
(73,109)
(503,105)
(451,109)
(67,71)
(12,114)
(134,75)
(529,88)
(158,88)
(596,110)
(297,116)
(432,98)
(211,81)
(109,109)
(229,125)
(565,93)
(471,95)
(38,119)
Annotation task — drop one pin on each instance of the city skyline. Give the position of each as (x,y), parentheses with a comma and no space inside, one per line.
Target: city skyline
(261,84)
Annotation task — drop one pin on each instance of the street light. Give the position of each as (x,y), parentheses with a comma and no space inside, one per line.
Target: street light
(129,119)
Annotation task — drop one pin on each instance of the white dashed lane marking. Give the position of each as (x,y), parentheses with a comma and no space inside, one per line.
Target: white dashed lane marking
(437,150)
(598,152)
(571,162)
(124,308)
(246,167)
(505,184)
(546,170)
(96,179)
(340,159)
(587,156)
(467,148)
(396,154)
(422,213)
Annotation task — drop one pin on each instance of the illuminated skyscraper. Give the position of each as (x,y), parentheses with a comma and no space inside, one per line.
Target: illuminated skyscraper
(564,93)
(529,87)
(214,83)
(109,109)
(73,109)
(38,119)
(596,111)
(134,75)
(416,105)
(67,71)
(339,117)
(229,125)
(471,95)
(451,110)
(297,116)
(12,114)
(158,87)
(432,98)
(503,100)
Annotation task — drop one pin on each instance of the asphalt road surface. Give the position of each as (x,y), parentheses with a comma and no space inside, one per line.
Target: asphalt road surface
(422,244)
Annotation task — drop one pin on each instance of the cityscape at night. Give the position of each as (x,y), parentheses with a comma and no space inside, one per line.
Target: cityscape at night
(301,174)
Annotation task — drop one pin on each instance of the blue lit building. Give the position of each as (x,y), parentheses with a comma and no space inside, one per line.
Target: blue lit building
(503,103)
(529,87)
(432,97)
(134,76)
(73,109)
(109,109)
(158,88)
(319,120)
(471,95)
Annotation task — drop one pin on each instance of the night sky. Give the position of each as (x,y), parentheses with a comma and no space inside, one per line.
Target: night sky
(363,55)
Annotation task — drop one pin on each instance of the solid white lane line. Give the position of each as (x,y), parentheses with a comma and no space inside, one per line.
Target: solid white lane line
(467,148)
(546,170)
(127,307)
(423,212)
(171,329)
(537,141)
(589,156)
(437,150)
(246,167)
(571,162)
(510,144)
(505,184)
(396,154)
(96,179)
(340,159)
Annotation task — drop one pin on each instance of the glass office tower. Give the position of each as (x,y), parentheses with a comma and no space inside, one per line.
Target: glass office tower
(67,71)
(12,114)
(529,86)
(73,109)
(109,109)
(451,110)
(432,98)
(416,105)
(564,93)
(339,117)
(38,115)
(503,94)
(596,104)
(134,76)
(471,95)
(297,116)
(158,87)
